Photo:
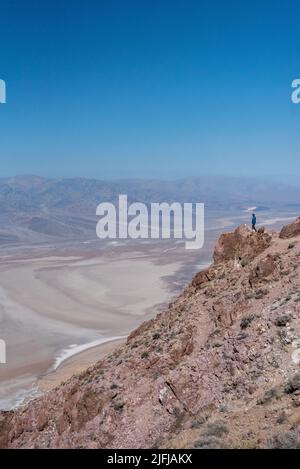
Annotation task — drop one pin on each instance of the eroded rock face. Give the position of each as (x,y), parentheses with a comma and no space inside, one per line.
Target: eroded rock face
(4,421)
(217,366)
(203,277)
(240,244)
(263,270)
(289,231)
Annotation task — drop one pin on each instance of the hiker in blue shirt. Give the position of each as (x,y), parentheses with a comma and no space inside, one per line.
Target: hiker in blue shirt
(253,221)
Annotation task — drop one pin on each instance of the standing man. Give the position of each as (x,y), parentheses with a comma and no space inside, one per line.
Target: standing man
(253,221)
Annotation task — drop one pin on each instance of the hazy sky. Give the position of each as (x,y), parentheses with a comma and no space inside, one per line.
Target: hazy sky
(149,88)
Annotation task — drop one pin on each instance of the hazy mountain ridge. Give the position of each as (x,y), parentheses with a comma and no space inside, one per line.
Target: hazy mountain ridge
(56,193)
(63,208)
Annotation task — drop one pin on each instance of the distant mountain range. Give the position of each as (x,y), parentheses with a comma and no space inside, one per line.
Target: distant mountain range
(31,205)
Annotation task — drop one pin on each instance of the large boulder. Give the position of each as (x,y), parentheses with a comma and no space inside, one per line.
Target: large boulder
(289,231)
(203,277)
(264,269)
(241,243)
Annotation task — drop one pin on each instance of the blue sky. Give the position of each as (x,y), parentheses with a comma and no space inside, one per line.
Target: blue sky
(144,88)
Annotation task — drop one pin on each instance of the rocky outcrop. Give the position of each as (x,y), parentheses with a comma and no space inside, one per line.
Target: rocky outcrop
(243,243)
(263,270)
(289,231)
(203,277)
(219,368)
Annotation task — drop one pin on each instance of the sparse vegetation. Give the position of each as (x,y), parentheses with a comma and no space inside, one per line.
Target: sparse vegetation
(282,334)
(242,336)
(287,440)
(260,293)
(246,320)
(269,395)
(246,444)
(281,418)
(198,422)
(293,383)
(282,321)
(119,405)
(217,429)
(209,442)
